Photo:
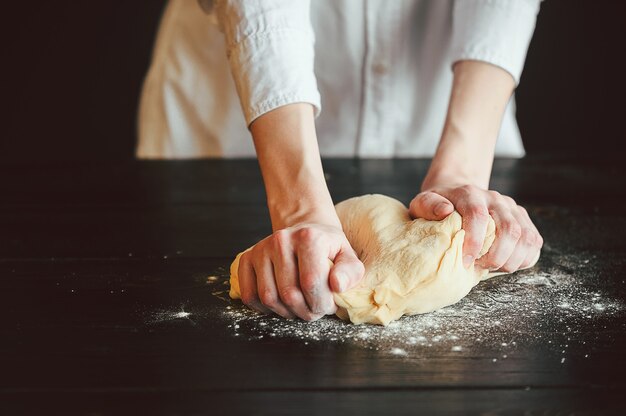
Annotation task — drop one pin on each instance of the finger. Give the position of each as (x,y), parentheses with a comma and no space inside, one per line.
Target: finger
(287,278)
(266,286)
(313,269)
(475,215)
(530,260)
(534,239)
(516,259)
(508,233)
(248,287)
(525,247)
(347,270)
(430,206)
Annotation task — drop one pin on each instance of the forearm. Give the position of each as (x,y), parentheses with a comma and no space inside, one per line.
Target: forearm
(465,153)
(288,153)
(458,178)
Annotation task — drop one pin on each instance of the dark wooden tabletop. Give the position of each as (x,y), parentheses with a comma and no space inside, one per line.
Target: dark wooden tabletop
(112,293)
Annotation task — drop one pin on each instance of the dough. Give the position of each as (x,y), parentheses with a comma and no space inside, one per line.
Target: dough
(411,266)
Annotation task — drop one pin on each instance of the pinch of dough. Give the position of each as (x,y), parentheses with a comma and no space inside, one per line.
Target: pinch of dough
(411,266)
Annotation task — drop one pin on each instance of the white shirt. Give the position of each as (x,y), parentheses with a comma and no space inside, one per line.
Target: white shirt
(377,72)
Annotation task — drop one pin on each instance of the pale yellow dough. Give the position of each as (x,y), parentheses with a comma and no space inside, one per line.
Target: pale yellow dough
(411,266)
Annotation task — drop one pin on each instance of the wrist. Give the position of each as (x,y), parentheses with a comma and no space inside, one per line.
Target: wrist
(459,160)
(480,92)
(302,203)
(286,145)
(304,213)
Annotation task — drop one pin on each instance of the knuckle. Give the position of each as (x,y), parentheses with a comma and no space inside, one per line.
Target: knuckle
(307,235)
(539,241)
(496,265)
(479,212)
(247,298)
(512,229)
(536,240)
(493,262)
(510,201)
(268,298)
(494,194)
(462,192)
(425,197)
(473,245)
(289,296)
(255,252)
(309,282)
(525,264)
(421,201)
(280,239)
(529,237)
(245,259)
(417,200)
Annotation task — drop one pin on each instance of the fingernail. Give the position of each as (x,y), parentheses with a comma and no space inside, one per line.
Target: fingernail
(342,281)
(467,261)
(440,208)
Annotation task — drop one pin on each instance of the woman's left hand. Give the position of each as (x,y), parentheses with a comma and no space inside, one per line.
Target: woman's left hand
(458,177)
(517,242)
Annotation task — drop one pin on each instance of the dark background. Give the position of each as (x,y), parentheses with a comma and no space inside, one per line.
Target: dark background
(72,72)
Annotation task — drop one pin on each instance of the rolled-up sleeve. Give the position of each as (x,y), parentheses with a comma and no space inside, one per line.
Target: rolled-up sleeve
(494,31)
(270,47)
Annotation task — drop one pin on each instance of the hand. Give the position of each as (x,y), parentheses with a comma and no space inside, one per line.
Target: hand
(458,176)
(517,242)
(291,274)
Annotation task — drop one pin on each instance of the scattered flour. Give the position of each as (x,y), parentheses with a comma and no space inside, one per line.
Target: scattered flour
(399,351)
(499,315)
(549,304)
(166,315)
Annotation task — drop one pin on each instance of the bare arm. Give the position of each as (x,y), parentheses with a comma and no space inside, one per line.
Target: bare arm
(290,272)
(286,146)
(459,174)
(480,93)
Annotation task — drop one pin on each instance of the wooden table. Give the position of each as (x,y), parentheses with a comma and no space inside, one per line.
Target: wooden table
(98,262)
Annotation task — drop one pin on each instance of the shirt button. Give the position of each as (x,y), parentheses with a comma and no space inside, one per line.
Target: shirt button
(380,68)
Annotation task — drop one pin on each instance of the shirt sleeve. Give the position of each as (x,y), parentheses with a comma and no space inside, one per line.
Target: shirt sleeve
(494,31)
(270,48)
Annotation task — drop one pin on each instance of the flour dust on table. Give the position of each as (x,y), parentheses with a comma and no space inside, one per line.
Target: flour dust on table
(412,266)
(500,315)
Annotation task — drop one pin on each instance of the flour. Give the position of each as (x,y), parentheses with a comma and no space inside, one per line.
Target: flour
(553,305)
(160,316)
(547,306)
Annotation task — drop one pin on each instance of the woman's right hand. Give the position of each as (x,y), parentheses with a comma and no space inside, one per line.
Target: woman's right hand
(295,271)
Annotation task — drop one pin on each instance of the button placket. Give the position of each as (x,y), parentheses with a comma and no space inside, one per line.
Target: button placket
(377,131)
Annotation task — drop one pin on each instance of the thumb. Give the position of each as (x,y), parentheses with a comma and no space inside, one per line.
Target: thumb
(347,270)
(430,206)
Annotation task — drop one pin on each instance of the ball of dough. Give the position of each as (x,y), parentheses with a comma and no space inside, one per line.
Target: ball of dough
(411,266)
